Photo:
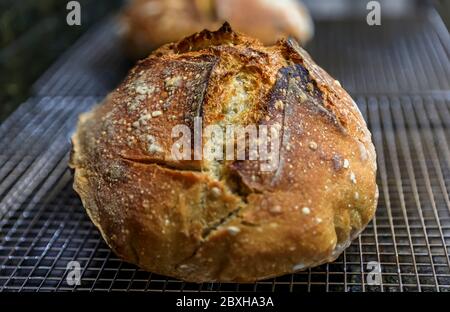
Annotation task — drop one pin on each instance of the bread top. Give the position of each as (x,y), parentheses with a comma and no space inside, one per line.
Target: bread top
(208,220)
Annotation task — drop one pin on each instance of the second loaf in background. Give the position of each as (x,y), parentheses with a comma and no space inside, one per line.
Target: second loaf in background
(147,24)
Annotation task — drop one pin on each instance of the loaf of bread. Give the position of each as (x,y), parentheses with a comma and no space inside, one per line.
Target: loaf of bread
(147,24)
(202,219)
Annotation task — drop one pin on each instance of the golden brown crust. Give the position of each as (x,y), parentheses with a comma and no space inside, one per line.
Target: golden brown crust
(147,24)
(226,221)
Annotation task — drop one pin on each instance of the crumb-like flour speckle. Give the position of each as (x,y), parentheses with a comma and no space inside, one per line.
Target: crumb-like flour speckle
(353,177)
(298,267)
(279,104)
(346,164)
(172,82)
(362,151)
(312,145)
(233,230)
(306,210)
(143,89)
(153,146)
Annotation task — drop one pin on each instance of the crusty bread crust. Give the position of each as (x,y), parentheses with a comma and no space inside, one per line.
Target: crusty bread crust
(226,220)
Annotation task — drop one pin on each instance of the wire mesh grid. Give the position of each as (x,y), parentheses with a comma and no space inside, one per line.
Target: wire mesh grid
(43,225)
(91,67)
(409,237)
(399,56)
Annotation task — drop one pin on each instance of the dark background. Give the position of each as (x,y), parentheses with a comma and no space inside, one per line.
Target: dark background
(34,33)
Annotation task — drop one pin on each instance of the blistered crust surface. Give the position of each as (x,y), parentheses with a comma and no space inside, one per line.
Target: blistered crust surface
(226,220)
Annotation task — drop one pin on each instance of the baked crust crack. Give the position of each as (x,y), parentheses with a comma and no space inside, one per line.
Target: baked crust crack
(163,164)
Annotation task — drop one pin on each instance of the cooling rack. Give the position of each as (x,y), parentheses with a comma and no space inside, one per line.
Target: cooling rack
(399,75)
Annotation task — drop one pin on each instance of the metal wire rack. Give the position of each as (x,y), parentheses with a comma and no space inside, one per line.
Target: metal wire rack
(43,225)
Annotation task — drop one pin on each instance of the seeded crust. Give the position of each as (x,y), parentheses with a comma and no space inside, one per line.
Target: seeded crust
(226,220)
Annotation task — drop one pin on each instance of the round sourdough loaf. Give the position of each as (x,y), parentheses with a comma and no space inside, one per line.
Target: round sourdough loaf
(147,24)
(203,220)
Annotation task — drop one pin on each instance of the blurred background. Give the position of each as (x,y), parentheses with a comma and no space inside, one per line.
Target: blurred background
(33,34)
